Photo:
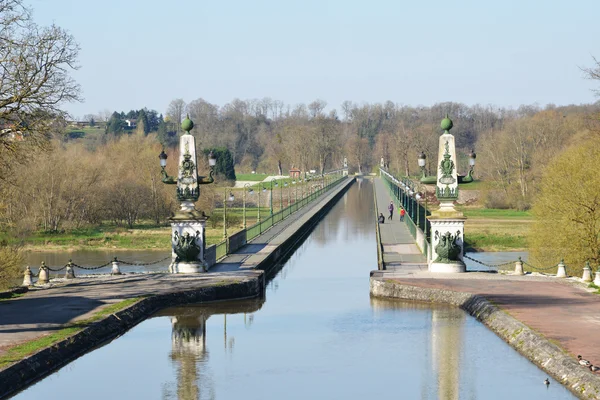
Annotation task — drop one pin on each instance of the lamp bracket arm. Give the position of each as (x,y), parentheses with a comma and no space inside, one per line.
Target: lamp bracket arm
(169,180)
(203,181)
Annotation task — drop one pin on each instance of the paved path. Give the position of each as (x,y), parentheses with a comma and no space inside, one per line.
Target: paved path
(44,310)
(399,248)
(564,311)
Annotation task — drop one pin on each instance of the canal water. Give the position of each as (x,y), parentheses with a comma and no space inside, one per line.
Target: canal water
(316,335)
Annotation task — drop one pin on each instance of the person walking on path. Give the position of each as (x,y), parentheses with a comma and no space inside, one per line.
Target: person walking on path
(381,218)
(402,213)
(391,210)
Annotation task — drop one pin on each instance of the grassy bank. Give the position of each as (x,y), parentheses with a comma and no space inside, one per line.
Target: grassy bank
(141,237)
(496,230)
(250,177)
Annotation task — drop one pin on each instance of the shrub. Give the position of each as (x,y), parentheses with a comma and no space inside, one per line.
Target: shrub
(496,199)
(11,261)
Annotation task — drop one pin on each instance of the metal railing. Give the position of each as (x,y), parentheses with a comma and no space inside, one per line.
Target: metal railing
(258,228)
(380,261)
(414,210)
(221,249)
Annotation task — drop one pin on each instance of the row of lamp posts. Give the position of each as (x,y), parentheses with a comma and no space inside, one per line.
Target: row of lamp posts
(248,188)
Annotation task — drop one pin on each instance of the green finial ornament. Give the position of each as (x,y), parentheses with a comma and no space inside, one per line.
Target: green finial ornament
(446,124)
(187,124)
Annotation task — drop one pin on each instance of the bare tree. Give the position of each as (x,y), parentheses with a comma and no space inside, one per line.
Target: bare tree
(316,108)
(35,63)
(104,115)
(175,112)
(34,78)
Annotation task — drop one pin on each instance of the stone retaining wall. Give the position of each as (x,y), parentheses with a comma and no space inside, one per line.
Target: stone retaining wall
(546,355)
(30,369)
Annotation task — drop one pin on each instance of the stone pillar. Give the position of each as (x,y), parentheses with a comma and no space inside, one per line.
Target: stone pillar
(115,267)
(27,277)
(597,278)
(519,267)
(562,270)
(70,274)
(587,272)
(43,277)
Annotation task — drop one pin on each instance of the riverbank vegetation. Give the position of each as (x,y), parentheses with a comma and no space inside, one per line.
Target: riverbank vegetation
(567,210)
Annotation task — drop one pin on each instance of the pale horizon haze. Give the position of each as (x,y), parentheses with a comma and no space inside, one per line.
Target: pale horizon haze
(137,54)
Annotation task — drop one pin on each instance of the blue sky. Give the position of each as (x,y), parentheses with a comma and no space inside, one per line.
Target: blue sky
(138,54)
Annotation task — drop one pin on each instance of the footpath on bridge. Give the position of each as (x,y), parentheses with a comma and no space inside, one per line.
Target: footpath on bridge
(400,252)
(45,310)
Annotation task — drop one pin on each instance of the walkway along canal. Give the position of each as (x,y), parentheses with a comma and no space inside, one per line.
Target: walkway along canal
(318,334)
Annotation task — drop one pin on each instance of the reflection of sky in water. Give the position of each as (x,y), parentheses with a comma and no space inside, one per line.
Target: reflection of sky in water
(318,335)
(93,258)
(494,258)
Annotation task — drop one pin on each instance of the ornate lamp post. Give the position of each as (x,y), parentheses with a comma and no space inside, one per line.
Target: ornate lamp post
(280,196)
(447,223)
(248,187)
(345,168)
(188,224)
(264,190)
(295,192)
(422,162)
(289,193)
(231,198)
(271,195)
(469,177)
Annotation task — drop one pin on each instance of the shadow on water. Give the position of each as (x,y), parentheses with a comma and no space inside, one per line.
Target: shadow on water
(318,335)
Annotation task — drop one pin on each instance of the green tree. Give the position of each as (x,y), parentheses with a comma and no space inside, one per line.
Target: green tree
(116,125)
(567,209)
(142,122)
(166,137)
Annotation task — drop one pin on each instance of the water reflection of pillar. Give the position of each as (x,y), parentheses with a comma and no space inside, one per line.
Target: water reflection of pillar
(446,341)
(188,347)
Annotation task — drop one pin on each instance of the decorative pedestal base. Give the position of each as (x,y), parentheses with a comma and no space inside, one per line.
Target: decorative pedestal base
(182,267)
(447,245)
(187,239)
(447,268)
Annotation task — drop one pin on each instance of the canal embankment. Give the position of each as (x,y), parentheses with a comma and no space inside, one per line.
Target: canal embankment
(548,320)
(76,304)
